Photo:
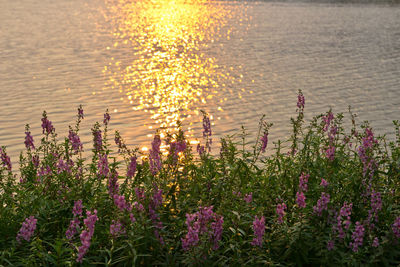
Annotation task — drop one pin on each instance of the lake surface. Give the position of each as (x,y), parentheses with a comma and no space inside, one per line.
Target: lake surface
(152,63)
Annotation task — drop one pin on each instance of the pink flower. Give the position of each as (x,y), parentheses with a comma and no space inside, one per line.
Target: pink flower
(29,140)
(264,140)
(27,229)
(155,159)
(301,199)
(280,210)
(259,229)
(248,197)
(132,167)
(324,183)
(303,180)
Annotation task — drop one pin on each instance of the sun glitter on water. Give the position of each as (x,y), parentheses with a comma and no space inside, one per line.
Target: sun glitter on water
(170,73)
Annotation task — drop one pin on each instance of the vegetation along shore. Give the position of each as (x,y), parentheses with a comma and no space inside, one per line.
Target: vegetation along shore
(327,196)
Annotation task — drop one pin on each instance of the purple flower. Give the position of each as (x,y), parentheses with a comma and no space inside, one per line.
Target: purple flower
(375,243)
(259,229)
(121,203)
(77,210)
(396,227)
(301,199)
(300,100)
(97,140)
(132,167)
(303,180)
(117,228)
(113,186)
(280,210)
(264,140)
(376,202)
(80,112)
(106,118)
(63,166)
(330,153)
(75,141)
(322,204)
(87,234)
(331,245)
(72,228)
(365,149)
(248,197)
(5,159)
(216,231)
(35,161)
(155,159)
(324,183)
(47,126)
(357,237)
(29,141)
(203,223)
(200,149)
(27,229)
(102,166)
(327,120)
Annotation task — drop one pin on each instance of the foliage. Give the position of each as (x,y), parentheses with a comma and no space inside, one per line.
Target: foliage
(324,197)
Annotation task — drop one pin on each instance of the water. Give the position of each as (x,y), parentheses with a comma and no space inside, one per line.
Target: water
(152,63)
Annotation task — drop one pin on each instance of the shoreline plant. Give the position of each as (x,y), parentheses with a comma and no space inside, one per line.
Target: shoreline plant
(327,196)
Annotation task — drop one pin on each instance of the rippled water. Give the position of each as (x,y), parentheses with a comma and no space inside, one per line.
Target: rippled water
(152,63)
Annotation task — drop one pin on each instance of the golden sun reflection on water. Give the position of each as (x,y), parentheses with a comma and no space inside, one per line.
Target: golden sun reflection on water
(169,72)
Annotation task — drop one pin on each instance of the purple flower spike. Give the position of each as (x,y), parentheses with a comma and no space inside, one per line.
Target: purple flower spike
(27,229)
(259,229)
(29,141)
(5,159)
(264,140)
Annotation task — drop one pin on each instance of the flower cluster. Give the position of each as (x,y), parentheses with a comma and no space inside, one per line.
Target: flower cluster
(322,204)
(155,158)
(175,148)
(75,141)
(303,180)
(330,153)
(345,212)
(357,236)
(300,101)
(376,206)
(365,150)
(154,204)
(47,126)
(74,223)
(303,187)
(327,120)
(106,118)
(29,140)
(324,183)
(5,159)
(132,167)
(396,227)
(102,166)
(204,222)
(117,228)
(280,210)
(27,229)
(264,141)
(259,229)
(86,235)
(248,197)
(80,112)
(113,186)
(97,140)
